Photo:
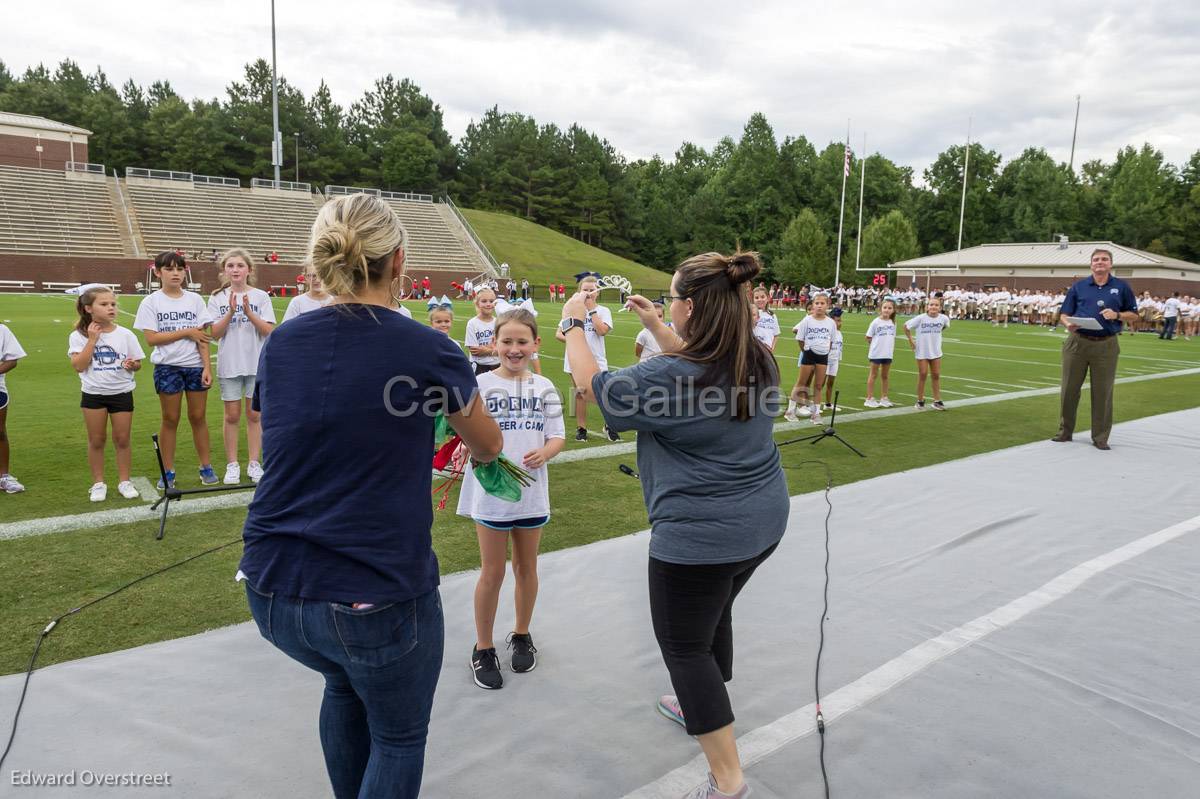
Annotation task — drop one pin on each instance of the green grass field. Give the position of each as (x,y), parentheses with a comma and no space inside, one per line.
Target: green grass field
(542,255)
(48,574)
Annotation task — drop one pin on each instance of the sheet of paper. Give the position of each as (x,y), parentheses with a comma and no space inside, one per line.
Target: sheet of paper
(1085,322)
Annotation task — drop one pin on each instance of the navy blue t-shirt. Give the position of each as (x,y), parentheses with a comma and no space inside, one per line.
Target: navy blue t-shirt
(1085,298)
(342,513)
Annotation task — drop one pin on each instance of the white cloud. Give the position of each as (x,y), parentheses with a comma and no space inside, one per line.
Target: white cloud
(649,76)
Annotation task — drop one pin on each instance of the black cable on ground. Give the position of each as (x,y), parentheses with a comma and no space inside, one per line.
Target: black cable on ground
(824,612)
(38,647)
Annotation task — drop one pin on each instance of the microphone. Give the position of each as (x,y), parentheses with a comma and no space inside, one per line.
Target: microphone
(627,470)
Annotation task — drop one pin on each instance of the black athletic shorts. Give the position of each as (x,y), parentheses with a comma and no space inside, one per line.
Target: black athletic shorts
(113,403)
(811,358)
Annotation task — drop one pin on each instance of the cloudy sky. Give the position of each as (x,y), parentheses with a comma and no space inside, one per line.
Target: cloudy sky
(649,74)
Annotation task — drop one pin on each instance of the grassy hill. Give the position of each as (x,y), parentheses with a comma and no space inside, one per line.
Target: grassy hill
(543,255)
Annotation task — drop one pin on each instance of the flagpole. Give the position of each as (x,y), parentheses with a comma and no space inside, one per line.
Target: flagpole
(837,273)
(962,208)
(861,190)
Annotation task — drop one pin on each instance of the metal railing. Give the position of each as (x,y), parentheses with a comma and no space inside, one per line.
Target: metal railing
(83,166)
(282,185)
(137,251)
(213,180)
(479,245)
(156,174)
(332,190)
(406,196)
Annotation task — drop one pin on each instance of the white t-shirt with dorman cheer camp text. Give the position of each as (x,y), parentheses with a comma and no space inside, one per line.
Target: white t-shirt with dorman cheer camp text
(529,412)
(480,334)
(815,334)
(302,304)
(928,334)
(883,338)
(238,349)
(106,374)
(595,341)
(766,329)
(163,314)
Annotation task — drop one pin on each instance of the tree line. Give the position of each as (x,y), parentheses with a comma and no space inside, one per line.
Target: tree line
(780,197)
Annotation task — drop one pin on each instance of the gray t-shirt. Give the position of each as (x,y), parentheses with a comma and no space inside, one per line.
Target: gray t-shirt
(713,486)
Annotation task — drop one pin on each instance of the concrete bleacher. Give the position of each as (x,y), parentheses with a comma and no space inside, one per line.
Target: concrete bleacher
(436,240)
(52,212)
(198,217)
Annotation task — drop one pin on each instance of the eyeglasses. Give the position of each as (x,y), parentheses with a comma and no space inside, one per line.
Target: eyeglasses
(663,298)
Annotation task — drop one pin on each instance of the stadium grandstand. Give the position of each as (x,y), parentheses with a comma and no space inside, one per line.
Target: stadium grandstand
(64,221)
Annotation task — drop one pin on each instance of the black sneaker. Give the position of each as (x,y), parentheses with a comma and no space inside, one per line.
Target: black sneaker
(523,659)
(938,406)
(581,434)
(611,435)
(920,406)
(485,668)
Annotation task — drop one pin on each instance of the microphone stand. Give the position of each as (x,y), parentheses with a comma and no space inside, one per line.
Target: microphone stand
(828,432)
(170,492)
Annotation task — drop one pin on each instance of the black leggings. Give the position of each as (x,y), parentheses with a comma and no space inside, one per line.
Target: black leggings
(691,607)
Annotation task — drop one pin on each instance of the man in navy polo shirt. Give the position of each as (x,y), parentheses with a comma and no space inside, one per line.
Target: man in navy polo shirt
(1110,301)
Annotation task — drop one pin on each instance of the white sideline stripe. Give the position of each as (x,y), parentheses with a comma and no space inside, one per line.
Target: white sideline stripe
(764,741)
(104,518)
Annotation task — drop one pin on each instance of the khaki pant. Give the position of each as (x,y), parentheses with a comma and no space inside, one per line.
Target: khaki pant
(1080,354)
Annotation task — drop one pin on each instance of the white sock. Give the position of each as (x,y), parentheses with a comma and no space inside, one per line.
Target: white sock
(791,406)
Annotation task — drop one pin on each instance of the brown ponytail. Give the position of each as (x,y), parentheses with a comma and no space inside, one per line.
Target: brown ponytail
(720,331)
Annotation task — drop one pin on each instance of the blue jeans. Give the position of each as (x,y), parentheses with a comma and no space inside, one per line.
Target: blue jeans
(1168,330)
(381,666)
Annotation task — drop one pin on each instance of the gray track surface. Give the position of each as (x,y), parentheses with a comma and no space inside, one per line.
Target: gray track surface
(1096,693)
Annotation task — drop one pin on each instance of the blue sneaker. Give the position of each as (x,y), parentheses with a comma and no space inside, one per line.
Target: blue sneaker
(170,480)
(207,475)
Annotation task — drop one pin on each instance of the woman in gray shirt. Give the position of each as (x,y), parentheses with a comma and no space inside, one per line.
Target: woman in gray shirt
(714,488)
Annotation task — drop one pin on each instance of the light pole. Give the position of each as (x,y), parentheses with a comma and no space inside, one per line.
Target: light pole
(276,139)
(297,137)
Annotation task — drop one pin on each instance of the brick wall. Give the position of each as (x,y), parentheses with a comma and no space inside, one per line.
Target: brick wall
(19,151)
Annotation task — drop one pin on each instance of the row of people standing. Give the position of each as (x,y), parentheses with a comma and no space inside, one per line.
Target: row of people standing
(179,327)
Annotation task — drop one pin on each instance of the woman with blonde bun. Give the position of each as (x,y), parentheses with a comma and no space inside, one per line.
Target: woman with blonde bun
(338,562)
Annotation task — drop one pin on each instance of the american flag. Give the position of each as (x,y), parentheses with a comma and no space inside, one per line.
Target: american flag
(847,164)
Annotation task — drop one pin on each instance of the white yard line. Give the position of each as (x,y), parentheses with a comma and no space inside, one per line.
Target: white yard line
(759,744)
(81,521)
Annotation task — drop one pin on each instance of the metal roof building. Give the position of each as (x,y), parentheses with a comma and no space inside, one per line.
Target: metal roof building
(32,141)
(1048,265)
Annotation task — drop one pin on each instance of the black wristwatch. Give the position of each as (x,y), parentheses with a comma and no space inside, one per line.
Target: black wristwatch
(566,325)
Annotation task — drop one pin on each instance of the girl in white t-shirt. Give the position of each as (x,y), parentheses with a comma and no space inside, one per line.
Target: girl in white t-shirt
(175,323)
(10,354)
(766,326)
(316,296)
(881,348)
(835,358)
(106,356)
(645,346)
(243,318)
(480,331)
(597,325)
(928,350)
(815,333)
(529,412)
